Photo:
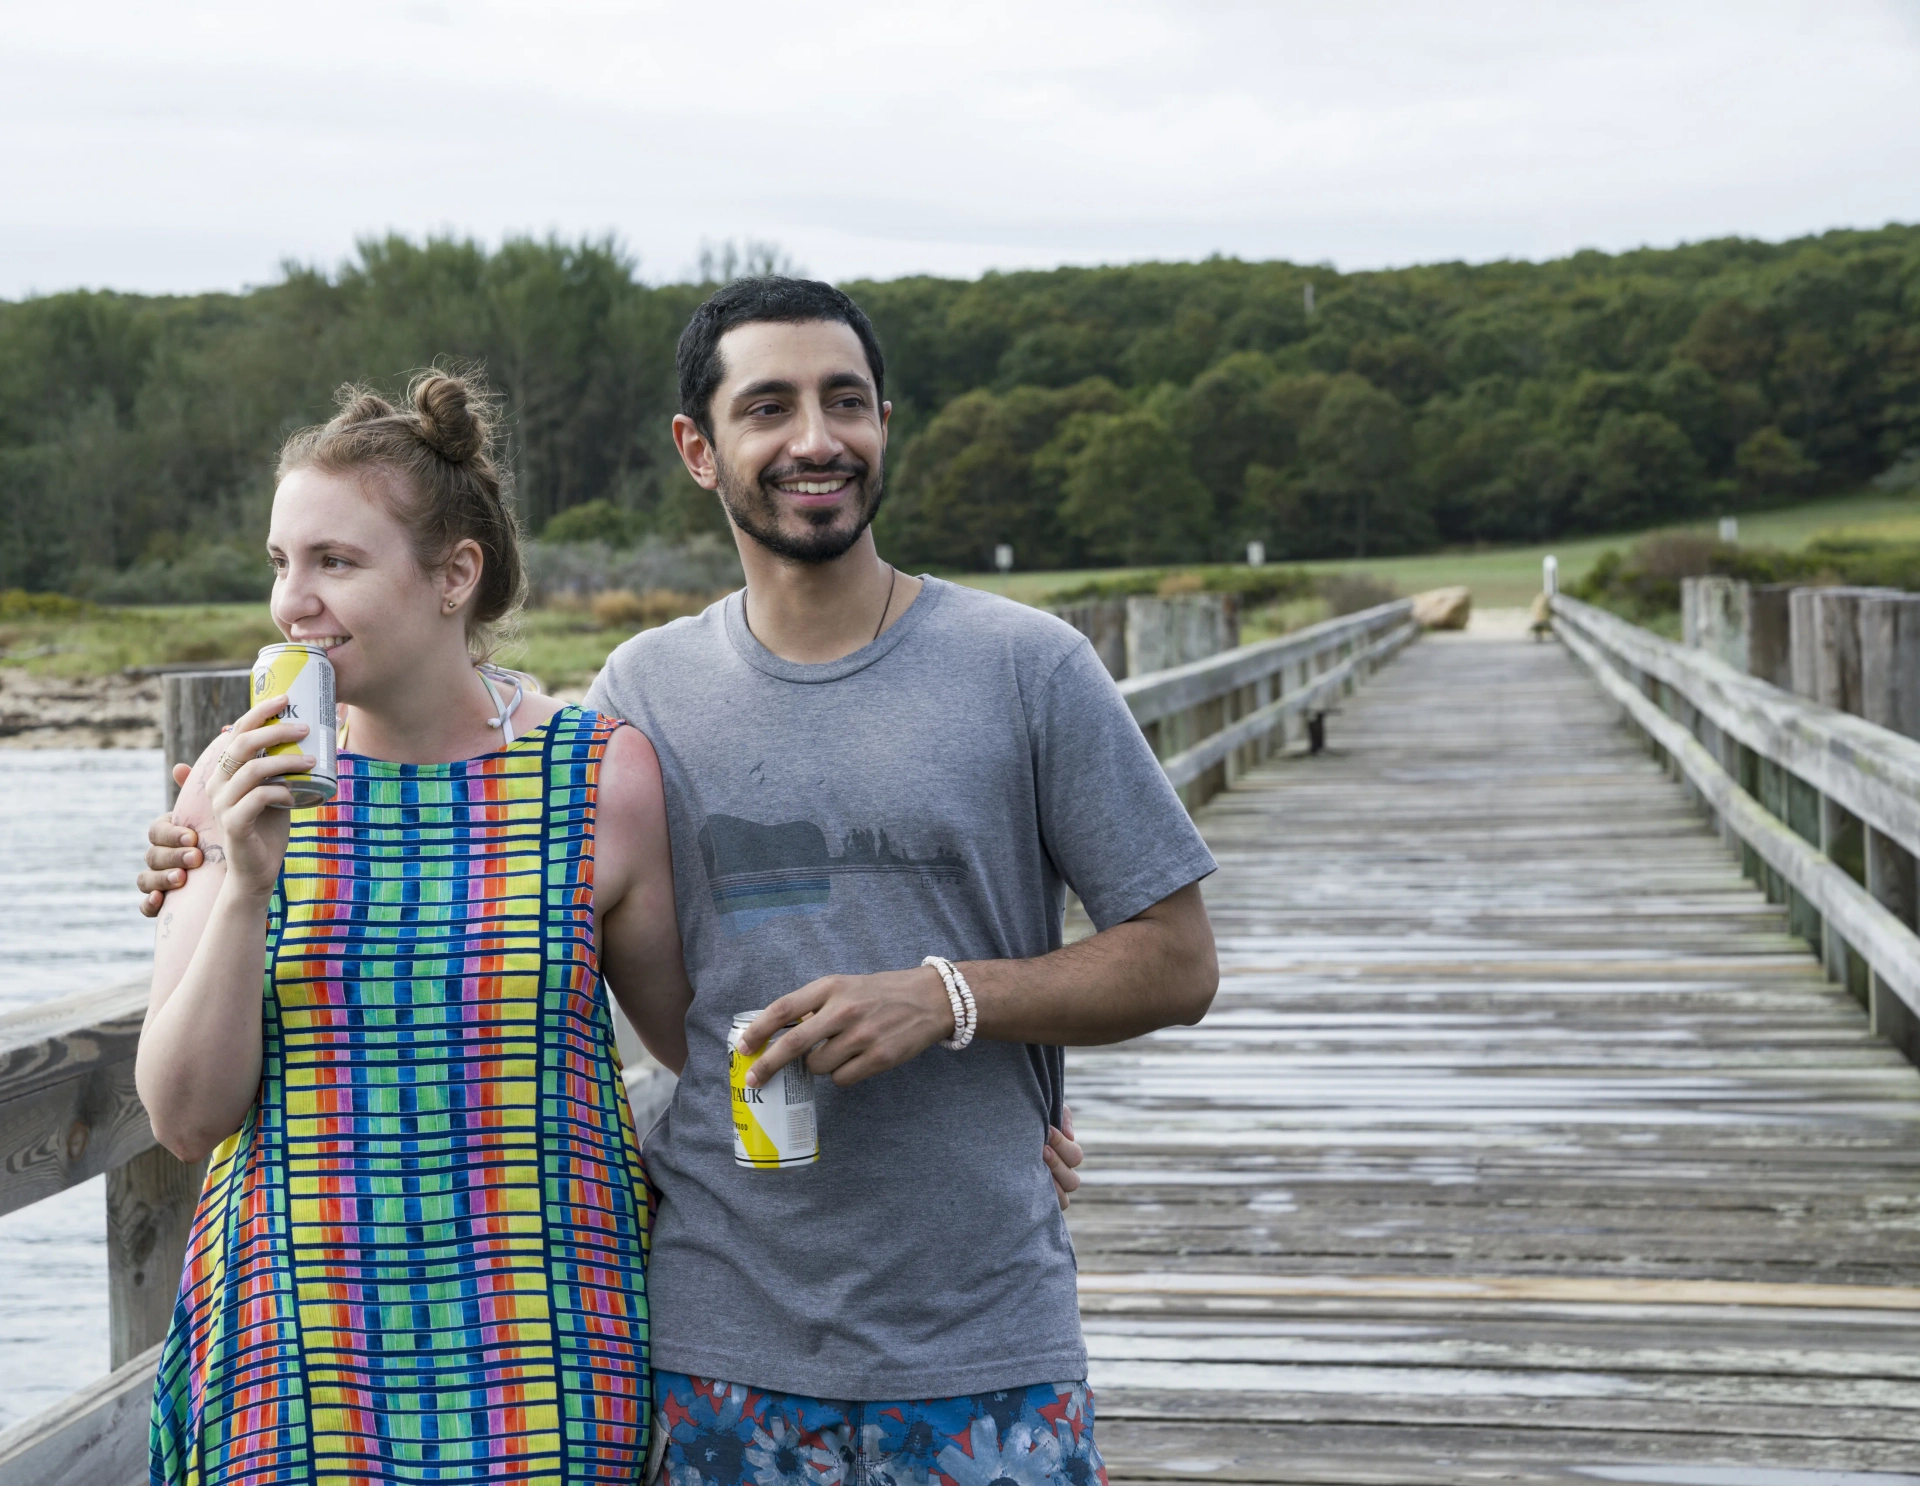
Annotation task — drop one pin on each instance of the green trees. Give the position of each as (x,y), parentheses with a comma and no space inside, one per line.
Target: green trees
(1153,412)
(1128,492)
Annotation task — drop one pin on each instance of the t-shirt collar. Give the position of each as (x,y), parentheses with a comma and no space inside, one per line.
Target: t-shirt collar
(749,648)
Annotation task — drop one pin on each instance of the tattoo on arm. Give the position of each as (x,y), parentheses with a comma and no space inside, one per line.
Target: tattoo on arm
(166,923)
(213,853)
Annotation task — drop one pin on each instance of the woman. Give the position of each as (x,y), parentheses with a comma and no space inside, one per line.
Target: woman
(419,1254)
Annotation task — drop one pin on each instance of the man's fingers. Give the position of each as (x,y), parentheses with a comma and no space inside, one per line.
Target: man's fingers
(862,1065)
(150,904)
(163,833)
(180,773)
(1066,1181)
(784,1048)
(1064,1146)
(1066,1120)
(789,1009)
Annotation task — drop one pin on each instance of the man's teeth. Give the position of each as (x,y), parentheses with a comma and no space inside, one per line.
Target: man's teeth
(813,487)
(326,642)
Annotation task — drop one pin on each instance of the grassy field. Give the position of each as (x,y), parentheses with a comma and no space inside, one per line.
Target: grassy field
(1509,577)
(565,647)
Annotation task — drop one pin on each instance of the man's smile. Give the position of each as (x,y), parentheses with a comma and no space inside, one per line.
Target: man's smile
(817,491)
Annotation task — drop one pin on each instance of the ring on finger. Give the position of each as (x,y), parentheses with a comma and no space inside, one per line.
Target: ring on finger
(229,765)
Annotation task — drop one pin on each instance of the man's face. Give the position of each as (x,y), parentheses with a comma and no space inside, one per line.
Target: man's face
(799,438)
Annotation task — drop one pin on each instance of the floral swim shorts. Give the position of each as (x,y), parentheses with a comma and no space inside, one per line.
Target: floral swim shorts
(710,1433)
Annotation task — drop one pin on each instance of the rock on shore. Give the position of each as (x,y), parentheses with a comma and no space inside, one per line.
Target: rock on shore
(78,711)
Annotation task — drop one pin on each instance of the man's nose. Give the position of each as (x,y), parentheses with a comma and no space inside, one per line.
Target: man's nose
(814,439)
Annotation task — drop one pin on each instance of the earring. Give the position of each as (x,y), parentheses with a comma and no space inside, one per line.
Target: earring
(452,604)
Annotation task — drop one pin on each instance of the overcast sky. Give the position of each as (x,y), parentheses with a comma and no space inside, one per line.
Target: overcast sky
(185,146)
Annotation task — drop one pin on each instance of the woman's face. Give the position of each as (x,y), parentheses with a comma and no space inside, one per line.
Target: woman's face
(346,580)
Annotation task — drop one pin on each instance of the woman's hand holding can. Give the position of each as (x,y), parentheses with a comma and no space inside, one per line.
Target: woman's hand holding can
(249,800)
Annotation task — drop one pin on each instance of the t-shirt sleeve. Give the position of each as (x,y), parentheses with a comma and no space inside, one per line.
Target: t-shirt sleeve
(599,697)
(1113,825)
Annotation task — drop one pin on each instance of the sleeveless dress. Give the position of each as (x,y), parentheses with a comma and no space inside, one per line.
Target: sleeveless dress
(422,1257)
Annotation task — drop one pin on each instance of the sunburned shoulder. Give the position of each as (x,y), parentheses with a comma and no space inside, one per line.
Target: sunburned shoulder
(630,793)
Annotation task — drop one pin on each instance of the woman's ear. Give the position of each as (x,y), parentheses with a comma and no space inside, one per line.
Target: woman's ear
(460,574)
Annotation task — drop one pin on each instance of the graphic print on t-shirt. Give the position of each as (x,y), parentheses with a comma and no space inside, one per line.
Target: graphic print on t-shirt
(759,872)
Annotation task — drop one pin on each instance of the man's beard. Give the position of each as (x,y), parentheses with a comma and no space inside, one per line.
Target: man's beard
(755,508)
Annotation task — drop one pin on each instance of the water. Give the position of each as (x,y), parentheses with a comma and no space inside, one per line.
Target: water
(74,824)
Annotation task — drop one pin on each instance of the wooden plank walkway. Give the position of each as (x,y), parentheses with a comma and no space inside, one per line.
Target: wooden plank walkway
(1522,1144)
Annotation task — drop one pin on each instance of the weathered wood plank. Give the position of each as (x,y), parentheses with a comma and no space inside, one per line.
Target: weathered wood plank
(98,1437)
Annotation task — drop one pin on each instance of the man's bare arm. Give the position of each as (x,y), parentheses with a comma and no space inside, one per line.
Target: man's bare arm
(1155,970)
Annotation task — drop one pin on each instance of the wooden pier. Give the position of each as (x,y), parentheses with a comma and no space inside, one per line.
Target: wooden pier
(1528,1141)
(1524,1142)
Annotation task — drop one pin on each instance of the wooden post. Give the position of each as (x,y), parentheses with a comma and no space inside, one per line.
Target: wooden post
(1827,626)
(1891,879)
(1890,696)
(1769,632)
(1890,661)
(195,705)
(1715,617)
(150,1199)
(150,1205)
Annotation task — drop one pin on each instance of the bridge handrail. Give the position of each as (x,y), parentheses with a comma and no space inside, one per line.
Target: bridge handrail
(1179,688)
(1209,719)
(69,1110)
(1694,706)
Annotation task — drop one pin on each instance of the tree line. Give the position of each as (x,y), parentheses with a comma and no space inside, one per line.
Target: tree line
(1155,413)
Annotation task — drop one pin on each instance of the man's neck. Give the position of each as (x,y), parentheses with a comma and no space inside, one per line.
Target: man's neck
(812,613)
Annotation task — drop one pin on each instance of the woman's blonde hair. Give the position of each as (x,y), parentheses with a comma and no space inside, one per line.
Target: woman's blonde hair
(443,481)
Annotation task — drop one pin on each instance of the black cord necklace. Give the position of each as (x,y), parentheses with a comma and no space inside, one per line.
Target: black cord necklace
(888,604)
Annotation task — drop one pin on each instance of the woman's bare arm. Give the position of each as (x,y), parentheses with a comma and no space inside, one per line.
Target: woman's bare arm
(639,932)
(198,1068)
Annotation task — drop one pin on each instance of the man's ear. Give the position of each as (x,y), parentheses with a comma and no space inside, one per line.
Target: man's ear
(696,452)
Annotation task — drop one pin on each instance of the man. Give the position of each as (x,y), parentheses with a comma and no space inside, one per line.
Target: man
(864,769)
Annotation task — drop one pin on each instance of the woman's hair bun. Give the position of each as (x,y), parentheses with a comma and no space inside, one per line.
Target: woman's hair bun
(452,420)
(357,405)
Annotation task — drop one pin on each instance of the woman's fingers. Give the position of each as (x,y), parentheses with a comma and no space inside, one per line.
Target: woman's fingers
(241,817)
(252,742)
(252,777)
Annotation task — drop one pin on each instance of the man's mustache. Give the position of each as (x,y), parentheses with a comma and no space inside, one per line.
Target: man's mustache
(853,470)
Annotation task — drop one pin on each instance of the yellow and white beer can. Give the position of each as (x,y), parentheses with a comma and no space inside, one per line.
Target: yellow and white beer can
(305,674)
(774,1125)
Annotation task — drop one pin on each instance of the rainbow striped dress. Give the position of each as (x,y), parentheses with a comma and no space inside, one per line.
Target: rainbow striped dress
(422,1258)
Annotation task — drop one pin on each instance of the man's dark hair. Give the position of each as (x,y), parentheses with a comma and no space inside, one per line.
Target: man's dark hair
(745,302)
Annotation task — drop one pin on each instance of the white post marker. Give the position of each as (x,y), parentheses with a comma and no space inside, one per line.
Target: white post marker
(1256,554)
(1550,574)
(1729,528)
(1003,557)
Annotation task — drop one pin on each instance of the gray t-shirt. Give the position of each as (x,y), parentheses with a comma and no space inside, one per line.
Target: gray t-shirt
(932,793)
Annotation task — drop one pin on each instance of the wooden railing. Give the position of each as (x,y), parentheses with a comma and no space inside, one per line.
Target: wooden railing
(1823,806)
(1211,719)
(68,1110)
